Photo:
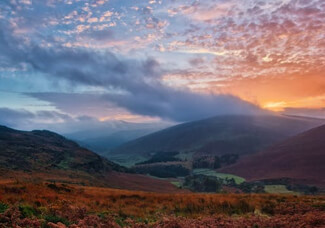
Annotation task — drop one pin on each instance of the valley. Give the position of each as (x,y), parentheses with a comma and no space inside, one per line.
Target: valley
(50,181)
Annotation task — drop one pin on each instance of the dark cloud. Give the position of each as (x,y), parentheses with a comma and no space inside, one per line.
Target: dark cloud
(183,106)
(24,119)
(142,91)
(14,118)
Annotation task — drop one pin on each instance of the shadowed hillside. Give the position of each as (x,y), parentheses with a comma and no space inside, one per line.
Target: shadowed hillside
(45,151)
(44,155)
(219,135)
(300,157)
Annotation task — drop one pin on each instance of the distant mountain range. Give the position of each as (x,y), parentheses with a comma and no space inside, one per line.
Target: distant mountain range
(257,148)
(221,135)
(111,134)
(46,155)
(301,157)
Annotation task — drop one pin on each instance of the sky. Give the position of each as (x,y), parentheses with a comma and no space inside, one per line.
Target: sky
(73,63)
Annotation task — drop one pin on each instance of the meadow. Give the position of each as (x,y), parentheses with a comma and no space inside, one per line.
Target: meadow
(49,204)
(211,172)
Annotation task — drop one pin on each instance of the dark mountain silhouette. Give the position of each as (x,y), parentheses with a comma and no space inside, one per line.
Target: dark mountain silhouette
(301,157)
(45,150)
(44,155)
(219,135)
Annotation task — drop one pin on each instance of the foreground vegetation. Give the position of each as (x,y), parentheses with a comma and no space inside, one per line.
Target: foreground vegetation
(61,205)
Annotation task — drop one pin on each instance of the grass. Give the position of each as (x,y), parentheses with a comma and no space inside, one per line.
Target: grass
(178,184)
(44,204)
(210,172)
(126,160)
(277,189)
(185,156)
(3,207)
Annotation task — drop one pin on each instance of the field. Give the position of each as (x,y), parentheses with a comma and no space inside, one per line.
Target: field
(42,204)
(281,189)
(126,160)
(210,172)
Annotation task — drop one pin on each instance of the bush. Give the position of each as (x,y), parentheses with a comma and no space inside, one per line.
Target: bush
(163,171)
(202,183)
(27,211)
(55,219)
(3,207)
(161,157)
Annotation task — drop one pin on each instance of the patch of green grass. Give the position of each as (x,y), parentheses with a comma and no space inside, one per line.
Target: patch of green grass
(28,211)
(210,172)
(278,189)
(178,184)
(126,160)
(56,219)
(3,207)
(64,164)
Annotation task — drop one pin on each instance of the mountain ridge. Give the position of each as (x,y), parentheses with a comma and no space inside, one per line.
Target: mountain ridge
(240,134)
(299,157)
(47,156)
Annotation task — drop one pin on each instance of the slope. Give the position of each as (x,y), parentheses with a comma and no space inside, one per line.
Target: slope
(301,157)
(219,135)
(44,155)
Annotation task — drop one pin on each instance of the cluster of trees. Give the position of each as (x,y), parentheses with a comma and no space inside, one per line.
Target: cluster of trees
(163,171)
(290,185)
(161,157)
(202,183)
(215,162)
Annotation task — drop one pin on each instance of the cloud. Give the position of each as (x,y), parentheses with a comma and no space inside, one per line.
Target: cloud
(184,106)
(135,84)
(162,102)
(24,119)
(310,112)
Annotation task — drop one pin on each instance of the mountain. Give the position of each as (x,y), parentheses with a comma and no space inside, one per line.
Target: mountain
(45,150)
(111,134)
(46,155)
(107,142)
(232,134)
(301,157)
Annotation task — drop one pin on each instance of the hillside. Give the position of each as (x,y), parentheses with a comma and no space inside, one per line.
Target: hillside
(219,135)
(45,150)
(301,157)
(48,156)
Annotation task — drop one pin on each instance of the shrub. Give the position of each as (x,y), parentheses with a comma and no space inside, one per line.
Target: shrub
(55,219)
(27,211)
(3,207)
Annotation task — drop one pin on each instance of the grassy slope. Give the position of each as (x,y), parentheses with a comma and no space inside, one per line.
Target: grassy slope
(210,172)
(277,189)
(301,157)
(72,204)
(219,135)
(44,155)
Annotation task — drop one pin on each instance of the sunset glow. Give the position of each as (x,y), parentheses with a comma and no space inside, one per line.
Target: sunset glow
(126,60)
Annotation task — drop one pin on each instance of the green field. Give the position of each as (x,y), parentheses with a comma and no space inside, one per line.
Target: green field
(210,172)
(126,160)
(178,184)
(277,189)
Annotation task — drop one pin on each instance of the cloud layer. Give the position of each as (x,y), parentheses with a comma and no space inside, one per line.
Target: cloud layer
(175,60)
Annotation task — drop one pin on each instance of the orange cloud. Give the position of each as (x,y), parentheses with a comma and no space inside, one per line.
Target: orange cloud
(274,93)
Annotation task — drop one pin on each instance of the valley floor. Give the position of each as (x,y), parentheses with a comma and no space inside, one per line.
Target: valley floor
(45,204)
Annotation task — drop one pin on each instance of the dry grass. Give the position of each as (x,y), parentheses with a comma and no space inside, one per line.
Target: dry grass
(65,201)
